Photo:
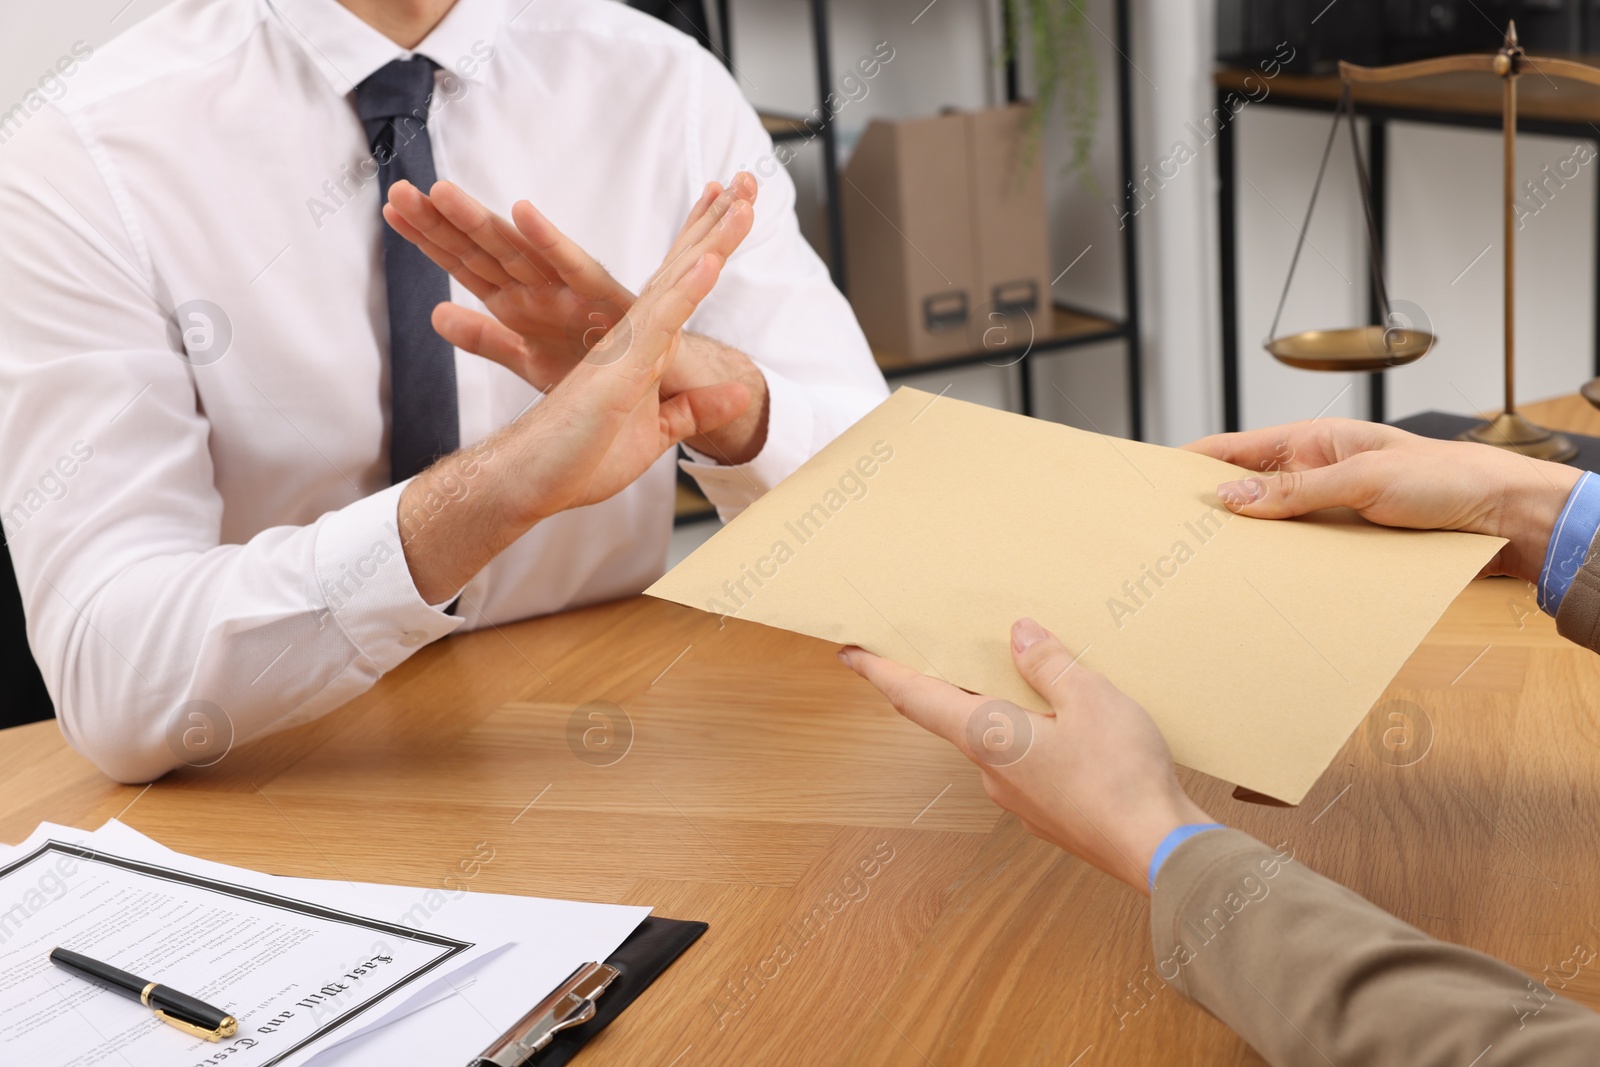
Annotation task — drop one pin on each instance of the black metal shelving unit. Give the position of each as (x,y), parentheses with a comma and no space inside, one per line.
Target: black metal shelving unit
(1071,327)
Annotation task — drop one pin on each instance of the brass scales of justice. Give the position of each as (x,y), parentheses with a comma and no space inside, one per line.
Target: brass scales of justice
(1376,348)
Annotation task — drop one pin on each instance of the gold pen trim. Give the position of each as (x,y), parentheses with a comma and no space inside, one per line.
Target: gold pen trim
(144,994)
(229,1027)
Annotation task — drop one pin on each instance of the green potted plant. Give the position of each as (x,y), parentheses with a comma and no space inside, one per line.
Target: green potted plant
(1060,48)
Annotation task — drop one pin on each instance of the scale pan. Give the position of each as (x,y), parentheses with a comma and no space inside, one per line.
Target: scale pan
(1354,349)
(1591,391)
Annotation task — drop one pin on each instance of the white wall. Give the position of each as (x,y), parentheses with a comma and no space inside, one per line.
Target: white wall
(1172,50)
(34,35)
(1445,199)
(1278,155)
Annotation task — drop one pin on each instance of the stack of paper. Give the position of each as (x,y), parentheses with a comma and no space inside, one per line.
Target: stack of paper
(315,971)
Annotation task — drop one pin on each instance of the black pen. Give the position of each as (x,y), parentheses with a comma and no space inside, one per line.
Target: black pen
(192,1016)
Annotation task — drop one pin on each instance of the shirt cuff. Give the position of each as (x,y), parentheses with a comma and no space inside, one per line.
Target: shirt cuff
(1172,841)
(788,445)
(367,587)
(1569,544)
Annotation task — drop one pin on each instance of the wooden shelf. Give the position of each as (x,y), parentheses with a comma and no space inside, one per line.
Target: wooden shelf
(1069,327)
(1476,95)
(786,127)
(691,506)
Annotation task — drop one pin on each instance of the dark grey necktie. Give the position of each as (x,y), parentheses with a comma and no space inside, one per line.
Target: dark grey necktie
(424,424)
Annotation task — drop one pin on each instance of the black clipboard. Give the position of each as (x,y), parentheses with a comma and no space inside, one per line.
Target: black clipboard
(639,961)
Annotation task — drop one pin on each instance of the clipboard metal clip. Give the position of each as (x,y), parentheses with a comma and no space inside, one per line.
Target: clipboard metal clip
(571,1004)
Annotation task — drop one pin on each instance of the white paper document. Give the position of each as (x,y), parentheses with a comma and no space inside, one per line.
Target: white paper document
(314,971)
(290,971)
(471,1006)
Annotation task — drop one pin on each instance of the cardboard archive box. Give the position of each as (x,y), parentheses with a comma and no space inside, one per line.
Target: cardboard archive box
(946,243)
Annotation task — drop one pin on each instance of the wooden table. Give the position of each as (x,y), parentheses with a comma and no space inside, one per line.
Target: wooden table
(764,784)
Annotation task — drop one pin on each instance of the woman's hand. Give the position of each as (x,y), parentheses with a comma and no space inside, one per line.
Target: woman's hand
(1094,778)
(1396,478)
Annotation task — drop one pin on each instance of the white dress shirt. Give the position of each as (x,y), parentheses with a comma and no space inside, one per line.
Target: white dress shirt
(193,532)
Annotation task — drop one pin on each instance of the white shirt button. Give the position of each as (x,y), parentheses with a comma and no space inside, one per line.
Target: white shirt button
(413,638)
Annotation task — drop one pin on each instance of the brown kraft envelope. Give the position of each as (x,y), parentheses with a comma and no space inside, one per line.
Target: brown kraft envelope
(927,528)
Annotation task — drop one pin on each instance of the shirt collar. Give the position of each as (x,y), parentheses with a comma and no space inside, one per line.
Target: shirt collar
(347,50)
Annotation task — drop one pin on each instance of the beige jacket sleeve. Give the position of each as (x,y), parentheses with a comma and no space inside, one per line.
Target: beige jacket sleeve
(1578,618)
(1310,973)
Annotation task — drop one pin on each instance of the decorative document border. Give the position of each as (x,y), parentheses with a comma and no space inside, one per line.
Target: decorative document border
(449,947)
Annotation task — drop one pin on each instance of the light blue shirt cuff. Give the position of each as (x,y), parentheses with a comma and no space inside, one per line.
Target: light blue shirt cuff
(1173,840)
(1569,543)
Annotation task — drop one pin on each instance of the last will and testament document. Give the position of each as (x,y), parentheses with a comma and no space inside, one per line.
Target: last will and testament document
(293,972)
(316,972)
(927,528)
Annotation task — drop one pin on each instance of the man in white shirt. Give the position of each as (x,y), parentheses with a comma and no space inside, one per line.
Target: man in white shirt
(196,376)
